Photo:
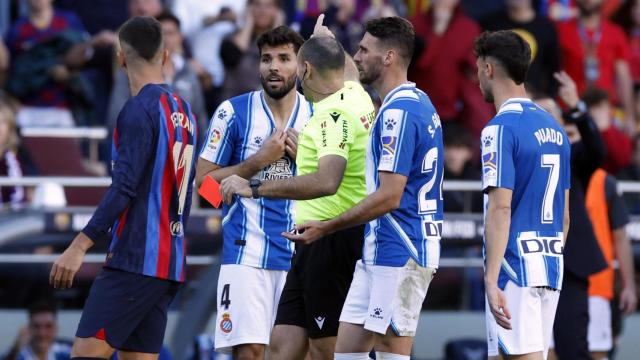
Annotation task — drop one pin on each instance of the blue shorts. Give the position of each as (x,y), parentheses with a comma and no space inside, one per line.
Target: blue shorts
(127,310)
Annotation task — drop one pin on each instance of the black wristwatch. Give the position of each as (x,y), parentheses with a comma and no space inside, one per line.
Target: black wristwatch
(255,184)
(578,111)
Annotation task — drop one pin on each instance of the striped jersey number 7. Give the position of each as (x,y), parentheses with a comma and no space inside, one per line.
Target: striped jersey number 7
(182,162)
(551,161)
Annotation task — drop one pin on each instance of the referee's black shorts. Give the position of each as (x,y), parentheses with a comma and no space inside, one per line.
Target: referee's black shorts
(318,282)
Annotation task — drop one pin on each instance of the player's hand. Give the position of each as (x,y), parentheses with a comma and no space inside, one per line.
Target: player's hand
(498,306)
(24,336)
(628,300)
(234,185)
(567,91)
(320,29)
(68,264)
(273,148)
(291,143)
(309,232)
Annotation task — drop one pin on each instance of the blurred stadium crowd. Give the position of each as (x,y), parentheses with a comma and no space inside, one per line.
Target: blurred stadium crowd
(61,89)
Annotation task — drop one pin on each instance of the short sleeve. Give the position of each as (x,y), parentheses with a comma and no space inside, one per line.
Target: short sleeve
(336,134)
(497,143)
(221,136)
(398,140)
(618,213)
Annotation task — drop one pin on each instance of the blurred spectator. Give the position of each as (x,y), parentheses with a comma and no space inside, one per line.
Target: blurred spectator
(628,18)
(197,14)
(4,62)
(609,216)
(204,349)
(480,9)
(632,173)
(177,71)
(340,17)
(38,340)
(563,10)
(445,66)
(10,196)
(151,8)
(38,76)
(582,256)
(459,165)
(541,35)
(239,52)
(596,53)
(618,144)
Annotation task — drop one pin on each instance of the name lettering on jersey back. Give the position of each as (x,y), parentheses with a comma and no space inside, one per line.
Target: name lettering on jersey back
(435,118)
(181,121)
(548,135)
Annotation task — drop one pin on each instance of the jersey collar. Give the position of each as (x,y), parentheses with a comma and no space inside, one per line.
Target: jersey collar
(505,105)
(392,93)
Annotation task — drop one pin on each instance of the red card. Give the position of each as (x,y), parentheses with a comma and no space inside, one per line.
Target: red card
(210,191)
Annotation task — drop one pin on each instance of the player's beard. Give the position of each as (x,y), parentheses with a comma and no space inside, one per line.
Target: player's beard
(278,93)
(487,94)
(372,74)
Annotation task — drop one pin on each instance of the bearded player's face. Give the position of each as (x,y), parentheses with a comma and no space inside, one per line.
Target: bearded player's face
(278,68)
(369,59)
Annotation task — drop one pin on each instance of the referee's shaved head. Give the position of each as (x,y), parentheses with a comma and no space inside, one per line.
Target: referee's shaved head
(324,53)
(141,38)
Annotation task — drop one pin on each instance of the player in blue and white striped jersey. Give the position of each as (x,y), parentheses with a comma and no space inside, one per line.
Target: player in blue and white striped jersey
(403,208)
(526,180)
(254,136)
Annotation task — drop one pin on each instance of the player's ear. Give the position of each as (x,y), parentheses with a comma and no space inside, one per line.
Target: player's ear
(489,69)
(165,56)
(121,60)
(389,58)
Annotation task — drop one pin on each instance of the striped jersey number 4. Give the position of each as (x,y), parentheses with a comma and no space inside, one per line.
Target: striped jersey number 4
(551,161)
(182,162)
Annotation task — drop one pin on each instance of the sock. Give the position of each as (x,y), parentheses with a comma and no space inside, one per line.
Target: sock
(389,356)
(351,356)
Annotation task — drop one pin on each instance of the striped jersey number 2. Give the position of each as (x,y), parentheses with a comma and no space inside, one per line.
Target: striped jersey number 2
(551,161)
(182,161)
(429,206)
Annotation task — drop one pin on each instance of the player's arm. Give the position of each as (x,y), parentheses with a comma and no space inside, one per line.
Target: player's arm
(135,150)
(566,219)
(497,223)
(384,200)
(272,150)
(624,254)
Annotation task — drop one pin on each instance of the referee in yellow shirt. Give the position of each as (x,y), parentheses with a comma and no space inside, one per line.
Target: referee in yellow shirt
(330,180)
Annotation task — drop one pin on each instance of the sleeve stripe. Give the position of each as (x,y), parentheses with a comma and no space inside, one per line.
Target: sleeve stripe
(400,141)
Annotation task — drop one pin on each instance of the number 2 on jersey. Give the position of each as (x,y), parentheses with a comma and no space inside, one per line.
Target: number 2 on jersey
(551,161)
(429,165)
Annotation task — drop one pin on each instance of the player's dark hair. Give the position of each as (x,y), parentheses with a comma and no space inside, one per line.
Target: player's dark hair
(143,34)
(42,306)
(508,48)
(168,16)
(394,32)
(324,53)
(282,35)
(594,96)
(455,135)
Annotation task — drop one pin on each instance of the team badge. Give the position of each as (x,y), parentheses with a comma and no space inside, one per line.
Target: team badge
(226,325)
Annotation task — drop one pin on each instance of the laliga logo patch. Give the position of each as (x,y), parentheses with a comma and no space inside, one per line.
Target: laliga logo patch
(225,324)
(216,135)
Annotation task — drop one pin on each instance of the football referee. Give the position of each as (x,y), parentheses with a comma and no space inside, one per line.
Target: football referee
(330,180)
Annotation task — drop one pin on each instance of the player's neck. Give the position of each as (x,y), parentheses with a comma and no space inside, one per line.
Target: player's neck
(282,108)
(505,91)
(324,89)
(386,83)
(521,13)
(141,76)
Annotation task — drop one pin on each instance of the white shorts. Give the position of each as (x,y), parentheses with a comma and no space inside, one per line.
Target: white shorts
(383,296)
(533,311)
(599,331)
(247,304)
